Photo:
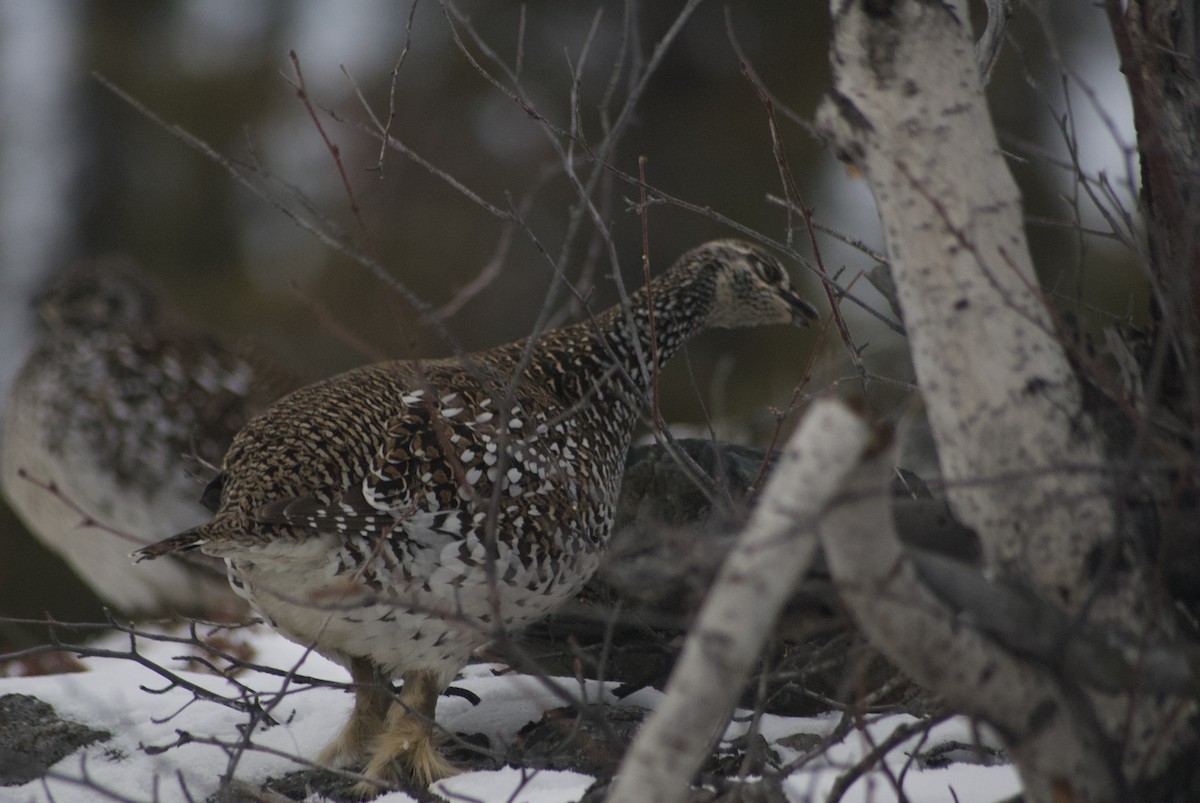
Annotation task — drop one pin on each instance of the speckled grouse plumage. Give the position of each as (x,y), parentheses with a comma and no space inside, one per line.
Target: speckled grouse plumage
(116,408)
(396,515)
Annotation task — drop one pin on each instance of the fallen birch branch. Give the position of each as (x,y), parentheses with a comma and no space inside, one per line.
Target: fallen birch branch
(738,616)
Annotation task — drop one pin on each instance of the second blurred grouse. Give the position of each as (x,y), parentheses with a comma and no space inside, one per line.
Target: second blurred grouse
(114,410)
(396,516)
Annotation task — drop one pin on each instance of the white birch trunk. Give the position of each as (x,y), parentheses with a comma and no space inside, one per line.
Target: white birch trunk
(1022,465)
(909,110)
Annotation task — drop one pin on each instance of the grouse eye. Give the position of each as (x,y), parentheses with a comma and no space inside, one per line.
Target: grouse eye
(771,272)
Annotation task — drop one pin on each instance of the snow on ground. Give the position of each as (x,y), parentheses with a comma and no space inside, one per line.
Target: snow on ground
(118,695)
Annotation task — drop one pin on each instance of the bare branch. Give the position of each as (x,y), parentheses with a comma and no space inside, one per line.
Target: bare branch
(987,49)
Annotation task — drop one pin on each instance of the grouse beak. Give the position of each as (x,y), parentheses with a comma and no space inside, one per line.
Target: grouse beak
(802,311)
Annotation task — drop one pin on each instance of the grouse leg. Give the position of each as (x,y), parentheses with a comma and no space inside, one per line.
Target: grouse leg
(372,697)
(404,750)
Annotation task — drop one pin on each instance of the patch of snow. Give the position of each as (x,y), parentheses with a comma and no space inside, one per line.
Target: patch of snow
(133,702)
(516,785)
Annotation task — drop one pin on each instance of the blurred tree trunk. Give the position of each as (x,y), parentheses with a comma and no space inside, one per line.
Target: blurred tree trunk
(39,160)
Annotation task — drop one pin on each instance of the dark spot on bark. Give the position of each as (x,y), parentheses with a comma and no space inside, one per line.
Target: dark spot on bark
(878,9)
(1103,562)
(849,112)
(961,304)
(949,9)
(851,156)
(1041,717)
(1094,560)
(1035,385)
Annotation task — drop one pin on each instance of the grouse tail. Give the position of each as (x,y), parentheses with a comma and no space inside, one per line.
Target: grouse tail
(186,541)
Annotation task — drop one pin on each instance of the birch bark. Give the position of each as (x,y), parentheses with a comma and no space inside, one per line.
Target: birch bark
(1022,462)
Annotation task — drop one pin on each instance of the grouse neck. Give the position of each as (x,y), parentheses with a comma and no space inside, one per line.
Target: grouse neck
(656,321)
(611,357)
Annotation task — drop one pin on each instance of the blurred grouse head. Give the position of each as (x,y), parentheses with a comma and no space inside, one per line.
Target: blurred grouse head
(110,293)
